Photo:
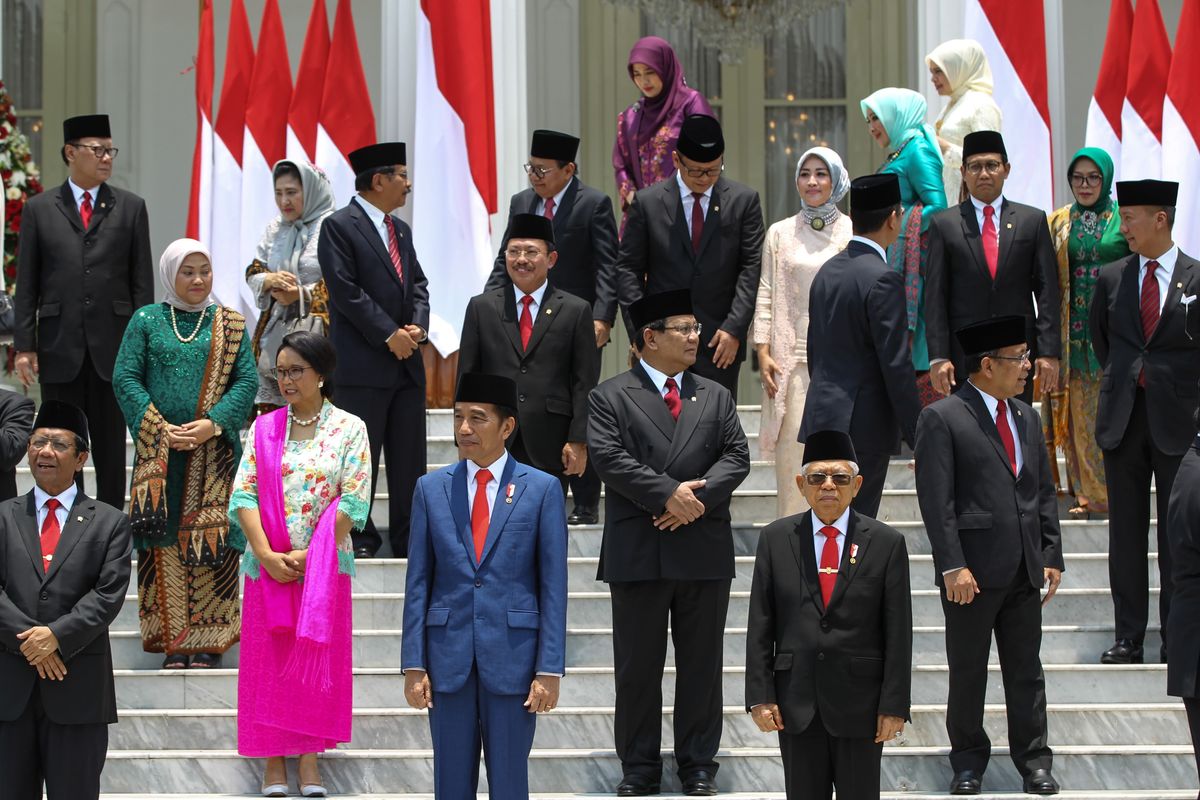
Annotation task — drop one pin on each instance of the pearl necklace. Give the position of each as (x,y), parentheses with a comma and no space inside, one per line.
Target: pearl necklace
(195,333)
(303,423)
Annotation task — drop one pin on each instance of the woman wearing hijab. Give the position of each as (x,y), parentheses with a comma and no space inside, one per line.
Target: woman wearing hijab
(896,120)
(795,248)
(959,70)
(1086,235)
(648,129)
(184,379)
(285,276)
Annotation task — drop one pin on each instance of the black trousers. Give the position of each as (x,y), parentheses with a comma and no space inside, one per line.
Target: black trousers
(395,420)
(1192,705)
(67,759)
(696,613)
(873,467)
(1127,471)
(815,762)
(1015,614)
(106,429)
(585,488)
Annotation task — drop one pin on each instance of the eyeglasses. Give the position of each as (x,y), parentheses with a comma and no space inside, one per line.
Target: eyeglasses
(293,374)
(978,167)
(684,329)
(99,150)
(711,172)
(59,445)
(541,172)
(530,253)
(838,478)
(1093,179)
(1019,359)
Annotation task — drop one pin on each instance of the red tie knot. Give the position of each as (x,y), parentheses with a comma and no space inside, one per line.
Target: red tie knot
(483,476)
(527,300)
(671,384)
(988,212)
(52,504)
(1150,267)
(830,532)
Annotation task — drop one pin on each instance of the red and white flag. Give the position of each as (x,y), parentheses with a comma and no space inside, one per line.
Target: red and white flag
(456,136)
(347,121)
(199,221)
(1181,127)
(1104,112)
(1013,34)
(229,270)
(266,138)
(310,83)
(1145,91)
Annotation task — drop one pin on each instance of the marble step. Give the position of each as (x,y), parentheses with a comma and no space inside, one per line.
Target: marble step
(594,686)
(1080,767)
(592,727)
(594,609)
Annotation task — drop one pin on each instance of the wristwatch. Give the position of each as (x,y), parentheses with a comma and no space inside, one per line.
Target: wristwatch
(217,430)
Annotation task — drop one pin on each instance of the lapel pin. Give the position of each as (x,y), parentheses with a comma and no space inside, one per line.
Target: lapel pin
(549,311)
(1179,286)
(80,519)
(103,206)
(853,554)
(692,398)
(1009,225)
(716,208)
(508,493)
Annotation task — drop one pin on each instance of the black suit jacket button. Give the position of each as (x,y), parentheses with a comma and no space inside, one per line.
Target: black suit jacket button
(45,595)
(87,300)
(820,656)
(478,584)
(521,398)
(824,624)
(524,369)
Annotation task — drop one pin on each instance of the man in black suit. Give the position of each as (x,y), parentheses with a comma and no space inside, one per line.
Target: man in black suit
(860,367)
(829,643)
(543,337)
(585,238)
(1148,343)
(698,231)
(64,570)
(990,511)
(378,315)
(1183,654)
(83,267)
(16,423)
(990,257)
(670,449)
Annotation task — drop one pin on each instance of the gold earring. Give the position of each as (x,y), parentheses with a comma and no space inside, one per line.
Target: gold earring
(321,384)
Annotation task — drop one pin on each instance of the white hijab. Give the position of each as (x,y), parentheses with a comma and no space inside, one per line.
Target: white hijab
(965,65)
(168,270)
(837,174)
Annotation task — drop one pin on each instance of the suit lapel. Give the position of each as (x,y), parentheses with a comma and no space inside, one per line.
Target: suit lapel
(456,491)
(694,400)
(1181,279)
(974,400)
(26,519)
(369,232)
(502,508)
(680,224)
(650,402)
(533,202)
(78,519)
(712,220)
(1129,295)
(1007,231)
(1026,441)
(972,237)
(563,212)
(66,204)
(806,560)
(507,309)
(858,537)
(552,301)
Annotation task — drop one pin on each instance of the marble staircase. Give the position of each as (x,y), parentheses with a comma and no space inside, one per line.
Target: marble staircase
(1114,730)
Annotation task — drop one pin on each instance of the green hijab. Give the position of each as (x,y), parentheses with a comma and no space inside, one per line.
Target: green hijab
(1104,161)
(902,114)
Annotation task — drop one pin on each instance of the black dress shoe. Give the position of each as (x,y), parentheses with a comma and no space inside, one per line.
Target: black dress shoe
(636,786)
(700,784)
(583,515)
(966,782)
(364,552)
(1123,651)
(1040,781)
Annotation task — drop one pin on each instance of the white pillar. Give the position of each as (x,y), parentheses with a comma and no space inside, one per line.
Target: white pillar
(509,73)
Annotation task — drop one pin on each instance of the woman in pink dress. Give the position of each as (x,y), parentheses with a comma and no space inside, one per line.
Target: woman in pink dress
(648,129)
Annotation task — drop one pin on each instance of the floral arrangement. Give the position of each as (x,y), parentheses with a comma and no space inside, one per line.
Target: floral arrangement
(21,181)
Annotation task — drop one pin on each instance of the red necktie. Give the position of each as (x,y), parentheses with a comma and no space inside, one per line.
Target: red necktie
(549,212)
(674,404)
(827,575)
(85,210)
(1006,437)
(1149,308)
(394,247)
(480,515)
(697,221)
(991,245)
(526,321)
(50,531)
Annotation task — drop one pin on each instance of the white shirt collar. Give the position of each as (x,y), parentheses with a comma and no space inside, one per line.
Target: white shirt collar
(376,216)
(557,198)
(1166,262)
(537,295)
(991,402)
(496,468)
(659,379)
(78,191)
(66,497)
(841,523)
(684,191)
(873,244)
(995,204)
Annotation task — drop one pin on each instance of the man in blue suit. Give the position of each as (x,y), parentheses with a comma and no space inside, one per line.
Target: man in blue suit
(485,604)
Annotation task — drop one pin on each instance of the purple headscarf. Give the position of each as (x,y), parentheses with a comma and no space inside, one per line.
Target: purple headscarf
(657,54)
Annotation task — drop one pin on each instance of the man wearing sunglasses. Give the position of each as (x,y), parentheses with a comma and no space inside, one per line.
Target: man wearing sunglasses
(987,257)
(990,511)
(697,230)
(83,266)
(829,640)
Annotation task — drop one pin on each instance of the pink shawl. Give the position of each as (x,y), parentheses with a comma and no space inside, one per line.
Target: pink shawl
(296,637)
